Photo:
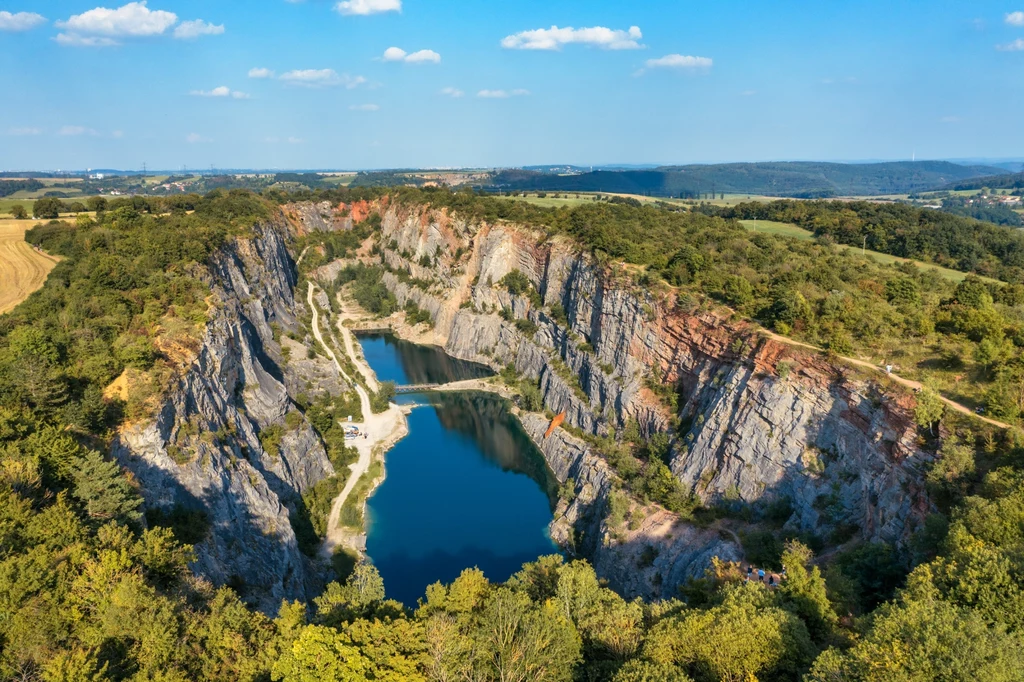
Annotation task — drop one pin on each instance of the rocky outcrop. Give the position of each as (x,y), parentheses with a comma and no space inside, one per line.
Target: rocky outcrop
(760,422)
(203,450)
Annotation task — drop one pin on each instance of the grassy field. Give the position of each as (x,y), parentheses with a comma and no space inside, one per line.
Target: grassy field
(22,268)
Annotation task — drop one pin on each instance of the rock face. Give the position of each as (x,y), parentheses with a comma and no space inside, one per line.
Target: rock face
(761,421)
(203,450)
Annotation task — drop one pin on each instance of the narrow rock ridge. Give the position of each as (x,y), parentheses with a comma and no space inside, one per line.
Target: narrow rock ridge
(760,421)
(203,451)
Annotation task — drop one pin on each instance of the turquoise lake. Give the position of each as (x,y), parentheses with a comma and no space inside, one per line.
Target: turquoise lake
(465,488)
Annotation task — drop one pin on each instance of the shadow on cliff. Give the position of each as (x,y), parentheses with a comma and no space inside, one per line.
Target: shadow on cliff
(231,547)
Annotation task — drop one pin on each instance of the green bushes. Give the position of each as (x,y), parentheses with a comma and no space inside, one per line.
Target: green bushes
(381,400)
(368,290)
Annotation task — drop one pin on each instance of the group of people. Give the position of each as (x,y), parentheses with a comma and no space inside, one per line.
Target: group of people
(768,579)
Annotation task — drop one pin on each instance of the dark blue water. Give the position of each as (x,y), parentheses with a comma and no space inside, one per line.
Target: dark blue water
(465,488)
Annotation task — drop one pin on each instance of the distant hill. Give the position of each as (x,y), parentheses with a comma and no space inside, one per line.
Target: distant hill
(1004,181)
(790,179)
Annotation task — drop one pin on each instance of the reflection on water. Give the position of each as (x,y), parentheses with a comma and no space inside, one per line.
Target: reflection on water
(466,488)
(487,420)
(416,364)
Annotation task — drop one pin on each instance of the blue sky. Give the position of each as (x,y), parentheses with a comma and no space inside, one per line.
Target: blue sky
(666,81)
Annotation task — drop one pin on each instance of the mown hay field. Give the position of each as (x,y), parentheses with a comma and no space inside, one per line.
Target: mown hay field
(22,268)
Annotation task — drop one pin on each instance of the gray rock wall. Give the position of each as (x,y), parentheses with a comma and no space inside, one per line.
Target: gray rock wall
(203,449)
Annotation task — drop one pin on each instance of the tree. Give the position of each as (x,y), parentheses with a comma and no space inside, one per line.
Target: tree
(101,487)
(19,212)
(929,408)
(803,591)
(925,639)
(745,637)
(645,671)
(321,654)
(521,642)
(47,208)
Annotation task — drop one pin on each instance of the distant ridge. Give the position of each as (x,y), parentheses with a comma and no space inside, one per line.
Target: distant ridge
(801,179)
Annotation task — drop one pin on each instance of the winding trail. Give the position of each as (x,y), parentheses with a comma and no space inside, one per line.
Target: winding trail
(909,383)
(382,431)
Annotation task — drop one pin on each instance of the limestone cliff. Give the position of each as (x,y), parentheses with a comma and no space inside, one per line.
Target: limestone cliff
(203,450)
(758,421)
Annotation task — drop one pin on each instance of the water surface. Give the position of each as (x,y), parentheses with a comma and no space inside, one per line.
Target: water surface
(465,488)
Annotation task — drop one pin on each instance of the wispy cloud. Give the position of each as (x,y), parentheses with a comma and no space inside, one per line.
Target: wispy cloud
(196,138)
(397,54)
(679,61)
(75,131)
(260,72)
(190,30)
(950,119)
(20,21)
(364,7)
(102,26)
(222,91)
(1015,18)
(24,132)
(321,78)
(502,94)
(295,140)
(554,38)
(1016,46)
(452,92)
(364,107)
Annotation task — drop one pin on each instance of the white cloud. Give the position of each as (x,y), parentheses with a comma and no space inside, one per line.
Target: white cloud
(260,72)
(502,94)
(117,134)
(748,93)
(23,132)
(75,40)
(363,7)
(678,61)
(452,92)
(74,131)
(397,54)
(190,30)
(133,19)
(196,138)
(554,38)
(1015,46)
(102,26)
(364,107)
(295,140)
(1015,18)
(222,91)
(424,56)
(950,119)
(319,78)
(20,21)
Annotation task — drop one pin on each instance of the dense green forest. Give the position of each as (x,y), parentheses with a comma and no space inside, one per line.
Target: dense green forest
(1002,181)
(88,593)
(901,230)
(791,179)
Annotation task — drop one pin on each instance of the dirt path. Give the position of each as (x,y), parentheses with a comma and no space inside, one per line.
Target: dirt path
(347,312)
(382,431)
(22,268)
(909,383)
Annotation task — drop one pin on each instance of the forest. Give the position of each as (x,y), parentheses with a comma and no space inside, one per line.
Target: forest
(792,179)
(89,591)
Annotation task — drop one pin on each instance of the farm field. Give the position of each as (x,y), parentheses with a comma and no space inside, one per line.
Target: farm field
(22,268)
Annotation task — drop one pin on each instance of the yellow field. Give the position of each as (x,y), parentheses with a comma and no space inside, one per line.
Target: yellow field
(22,268)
